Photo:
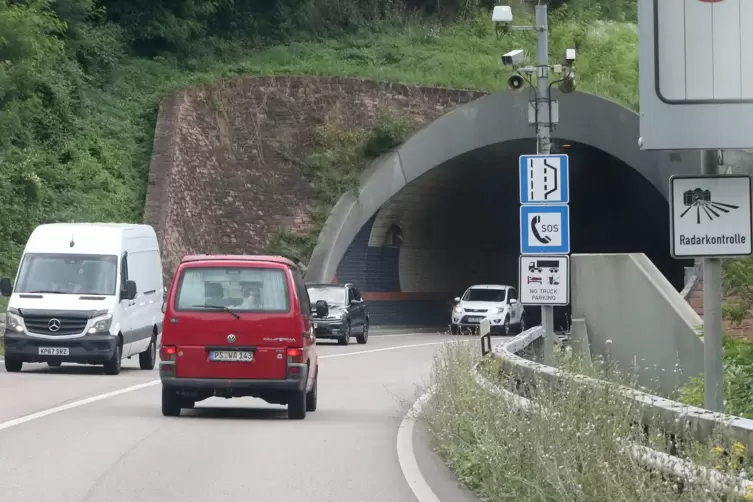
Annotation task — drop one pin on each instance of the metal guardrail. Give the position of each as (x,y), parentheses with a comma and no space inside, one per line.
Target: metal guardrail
(673,416)
(676,419)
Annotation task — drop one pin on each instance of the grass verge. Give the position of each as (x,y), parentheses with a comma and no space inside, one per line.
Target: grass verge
(572,454)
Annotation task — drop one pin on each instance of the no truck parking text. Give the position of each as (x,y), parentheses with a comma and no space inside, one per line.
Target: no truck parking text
(544,294)
(700,240)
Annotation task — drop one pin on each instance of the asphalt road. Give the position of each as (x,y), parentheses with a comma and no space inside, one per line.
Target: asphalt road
(54,447)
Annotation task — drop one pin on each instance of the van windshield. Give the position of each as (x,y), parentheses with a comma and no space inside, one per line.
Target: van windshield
(239,289)
(79,274)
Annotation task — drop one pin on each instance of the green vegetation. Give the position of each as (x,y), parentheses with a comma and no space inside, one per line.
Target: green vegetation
(335,166)
(738,380)
(81,80)
(570,452)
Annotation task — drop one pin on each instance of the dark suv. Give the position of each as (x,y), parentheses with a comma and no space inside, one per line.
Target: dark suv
(338,312)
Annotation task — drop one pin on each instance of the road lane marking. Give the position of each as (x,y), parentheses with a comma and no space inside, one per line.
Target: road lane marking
(406,455)
(99,397)
(384,349)
(74,404)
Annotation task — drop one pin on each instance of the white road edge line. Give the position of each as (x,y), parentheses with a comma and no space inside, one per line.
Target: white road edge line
(99,397)
(406,455)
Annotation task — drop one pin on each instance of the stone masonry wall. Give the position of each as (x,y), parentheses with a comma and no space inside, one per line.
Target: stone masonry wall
(225,172)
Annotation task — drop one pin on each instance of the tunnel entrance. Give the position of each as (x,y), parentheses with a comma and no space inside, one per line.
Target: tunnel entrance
(458,225)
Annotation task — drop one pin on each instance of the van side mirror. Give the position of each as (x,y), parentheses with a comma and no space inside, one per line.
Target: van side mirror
(512,301)
(164,307)
(6,288)
(322,309)
(456,299)
(129,291)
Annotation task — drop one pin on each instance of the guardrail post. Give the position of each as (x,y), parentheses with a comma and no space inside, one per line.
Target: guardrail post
(547,321)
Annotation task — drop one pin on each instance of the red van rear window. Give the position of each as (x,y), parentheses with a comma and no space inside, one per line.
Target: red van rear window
(243,289)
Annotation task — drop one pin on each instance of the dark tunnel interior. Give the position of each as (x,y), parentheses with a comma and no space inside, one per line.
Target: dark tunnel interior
(460,221)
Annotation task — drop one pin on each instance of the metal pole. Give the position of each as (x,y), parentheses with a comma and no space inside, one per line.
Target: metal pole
(543,145)
(713,389)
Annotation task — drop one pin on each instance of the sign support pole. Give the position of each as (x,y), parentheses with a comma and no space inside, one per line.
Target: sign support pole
(543,145)
(713,390)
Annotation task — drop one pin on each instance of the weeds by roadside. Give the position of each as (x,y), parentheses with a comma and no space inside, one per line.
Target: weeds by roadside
(570,453)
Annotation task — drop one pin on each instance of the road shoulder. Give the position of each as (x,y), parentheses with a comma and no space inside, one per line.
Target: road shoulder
(435,472)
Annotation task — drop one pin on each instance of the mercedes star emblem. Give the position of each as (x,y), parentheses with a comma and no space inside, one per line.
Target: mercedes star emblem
(54,325)
(231,338)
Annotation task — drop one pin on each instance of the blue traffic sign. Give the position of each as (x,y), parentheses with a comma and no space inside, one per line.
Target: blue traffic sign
(545,229)
(544,179)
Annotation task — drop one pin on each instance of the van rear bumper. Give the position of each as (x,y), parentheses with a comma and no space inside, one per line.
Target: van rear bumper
(295,382)
(89,349)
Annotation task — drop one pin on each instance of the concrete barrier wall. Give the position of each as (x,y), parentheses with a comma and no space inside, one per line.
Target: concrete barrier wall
(626,299)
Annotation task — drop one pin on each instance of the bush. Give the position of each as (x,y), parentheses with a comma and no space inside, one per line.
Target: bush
(335,166)
(738,380)
(571,454)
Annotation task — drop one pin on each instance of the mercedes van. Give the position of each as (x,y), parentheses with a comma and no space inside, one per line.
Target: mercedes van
(238,326)
(88,293)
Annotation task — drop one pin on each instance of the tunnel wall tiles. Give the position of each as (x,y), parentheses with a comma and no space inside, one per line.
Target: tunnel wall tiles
(375,271)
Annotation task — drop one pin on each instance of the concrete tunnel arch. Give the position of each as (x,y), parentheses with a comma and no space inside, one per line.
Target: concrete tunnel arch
(494,119)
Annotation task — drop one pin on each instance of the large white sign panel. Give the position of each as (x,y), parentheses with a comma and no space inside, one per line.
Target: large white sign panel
(711,216)
(696,74)
(544,280)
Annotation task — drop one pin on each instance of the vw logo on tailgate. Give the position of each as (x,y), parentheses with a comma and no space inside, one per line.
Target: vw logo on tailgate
(54,325)
(231,338)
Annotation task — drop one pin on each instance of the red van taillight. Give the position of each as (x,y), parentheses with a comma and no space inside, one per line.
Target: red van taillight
(167,352)
(295,355)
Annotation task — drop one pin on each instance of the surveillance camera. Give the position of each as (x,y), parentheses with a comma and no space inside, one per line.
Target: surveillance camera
(515,82)
(569,56)
(514,58)
(502,14)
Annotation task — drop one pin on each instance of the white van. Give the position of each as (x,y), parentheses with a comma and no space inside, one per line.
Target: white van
(88,293)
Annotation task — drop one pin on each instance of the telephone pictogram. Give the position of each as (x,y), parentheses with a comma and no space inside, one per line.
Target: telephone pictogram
(535,221)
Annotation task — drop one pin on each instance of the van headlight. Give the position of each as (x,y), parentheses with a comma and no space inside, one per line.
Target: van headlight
(458,310)
(101,325)
(499,310)
(14,322)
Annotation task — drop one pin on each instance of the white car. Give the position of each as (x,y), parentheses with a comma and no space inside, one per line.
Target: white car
(496,302)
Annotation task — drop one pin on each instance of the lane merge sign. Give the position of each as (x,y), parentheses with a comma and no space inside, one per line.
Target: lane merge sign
(544,179)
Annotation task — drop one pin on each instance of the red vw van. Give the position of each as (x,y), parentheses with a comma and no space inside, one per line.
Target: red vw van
(238,326)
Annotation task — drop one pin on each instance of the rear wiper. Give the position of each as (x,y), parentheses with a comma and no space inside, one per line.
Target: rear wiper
(218,307)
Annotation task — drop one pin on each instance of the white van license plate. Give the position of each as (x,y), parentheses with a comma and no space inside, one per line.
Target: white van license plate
(54,351)
(231,355)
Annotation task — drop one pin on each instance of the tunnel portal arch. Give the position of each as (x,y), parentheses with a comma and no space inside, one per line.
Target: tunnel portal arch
(495,119)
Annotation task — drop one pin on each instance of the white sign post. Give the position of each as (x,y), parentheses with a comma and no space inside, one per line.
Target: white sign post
(696,74)
(711,216)
(544,280)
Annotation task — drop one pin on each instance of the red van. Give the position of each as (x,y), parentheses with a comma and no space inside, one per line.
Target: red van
(238,326)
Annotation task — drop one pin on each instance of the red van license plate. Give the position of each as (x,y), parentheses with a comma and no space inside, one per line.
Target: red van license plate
(231,356)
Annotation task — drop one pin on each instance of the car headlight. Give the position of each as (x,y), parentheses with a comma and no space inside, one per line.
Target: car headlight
(14,322)
(101,325)
(337,315)
(499,310)
(458,310)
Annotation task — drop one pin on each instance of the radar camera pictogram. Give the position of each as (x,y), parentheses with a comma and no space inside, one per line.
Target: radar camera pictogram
(701,201)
